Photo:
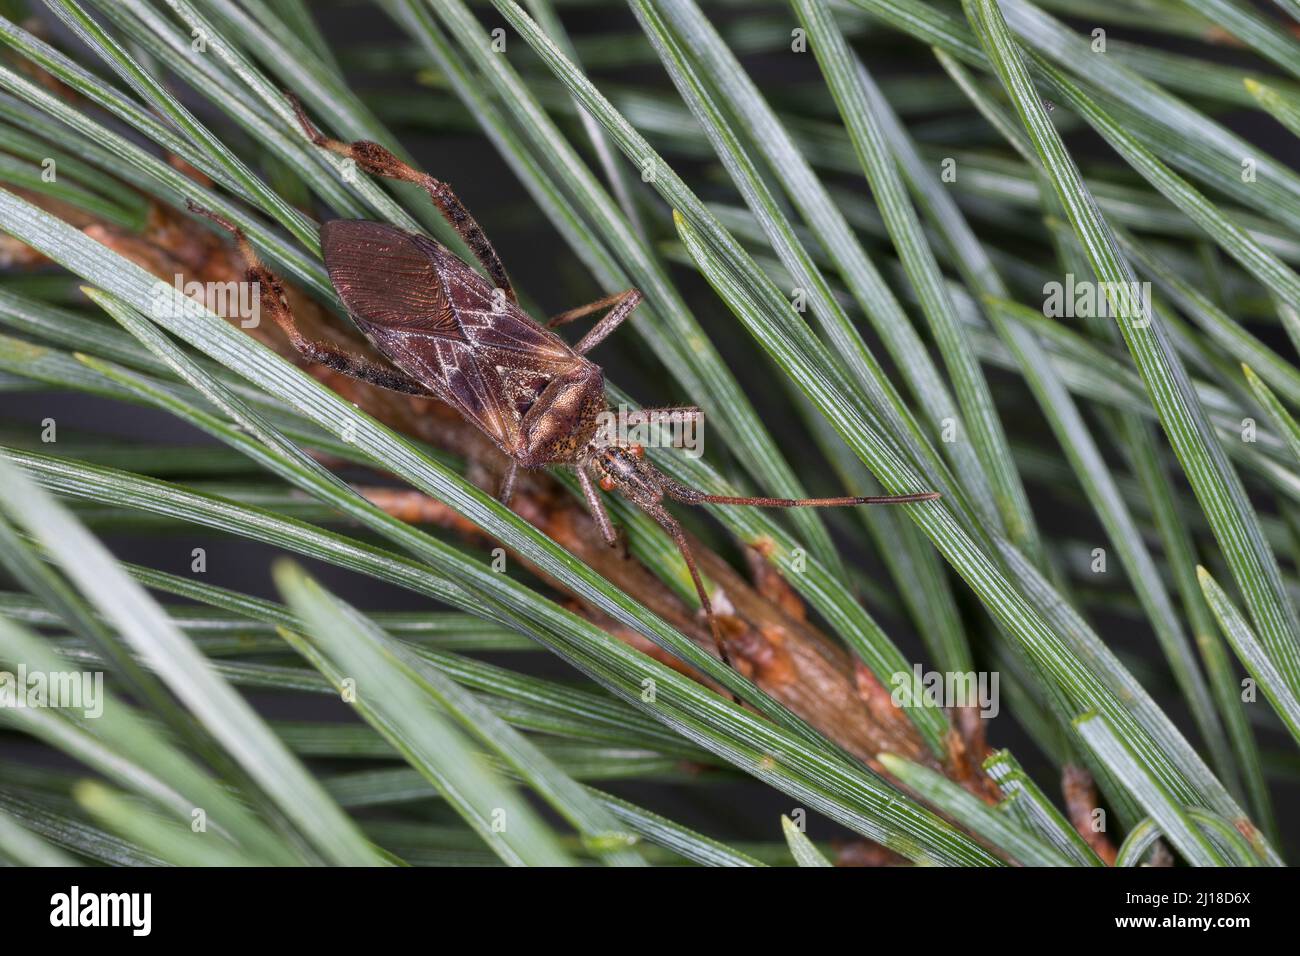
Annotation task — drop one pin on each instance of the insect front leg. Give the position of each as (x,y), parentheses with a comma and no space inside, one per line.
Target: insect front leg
(597,507)
(508,483)
(375,159)
(614,537)
(273,301)
(620,306)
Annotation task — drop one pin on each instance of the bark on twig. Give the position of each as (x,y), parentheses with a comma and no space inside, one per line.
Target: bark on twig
(1081,801)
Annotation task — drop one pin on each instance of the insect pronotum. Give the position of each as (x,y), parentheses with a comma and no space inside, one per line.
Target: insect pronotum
(447,332)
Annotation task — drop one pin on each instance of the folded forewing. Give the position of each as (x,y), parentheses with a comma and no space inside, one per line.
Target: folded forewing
(440,321)
(387,277)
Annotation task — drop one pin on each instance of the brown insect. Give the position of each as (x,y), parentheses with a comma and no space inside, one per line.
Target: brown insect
(449,333)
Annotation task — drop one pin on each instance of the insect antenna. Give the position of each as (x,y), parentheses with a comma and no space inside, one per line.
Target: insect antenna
(693,496)
(700,498)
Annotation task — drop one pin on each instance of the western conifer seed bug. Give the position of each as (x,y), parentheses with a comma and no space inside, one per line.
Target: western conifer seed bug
(449,333)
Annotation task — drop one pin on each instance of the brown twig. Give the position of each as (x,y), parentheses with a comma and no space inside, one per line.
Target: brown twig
(1080,792)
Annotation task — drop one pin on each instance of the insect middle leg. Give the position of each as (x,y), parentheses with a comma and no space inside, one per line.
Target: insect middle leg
(620,307)
(375,159)
(273,301)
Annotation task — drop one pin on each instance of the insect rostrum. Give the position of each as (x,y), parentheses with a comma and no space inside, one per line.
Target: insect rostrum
(449,333)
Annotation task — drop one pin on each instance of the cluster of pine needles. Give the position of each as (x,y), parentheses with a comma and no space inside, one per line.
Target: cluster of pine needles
(879,229)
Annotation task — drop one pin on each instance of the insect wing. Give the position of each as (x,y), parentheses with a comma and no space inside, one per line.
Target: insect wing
(438,320)
(387,278)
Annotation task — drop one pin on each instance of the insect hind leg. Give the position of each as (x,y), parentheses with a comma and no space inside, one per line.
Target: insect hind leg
(379,161)
(273,301)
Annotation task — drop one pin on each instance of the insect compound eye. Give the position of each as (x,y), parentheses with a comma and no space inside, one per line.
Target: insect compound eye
(638,451)
(607,482)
